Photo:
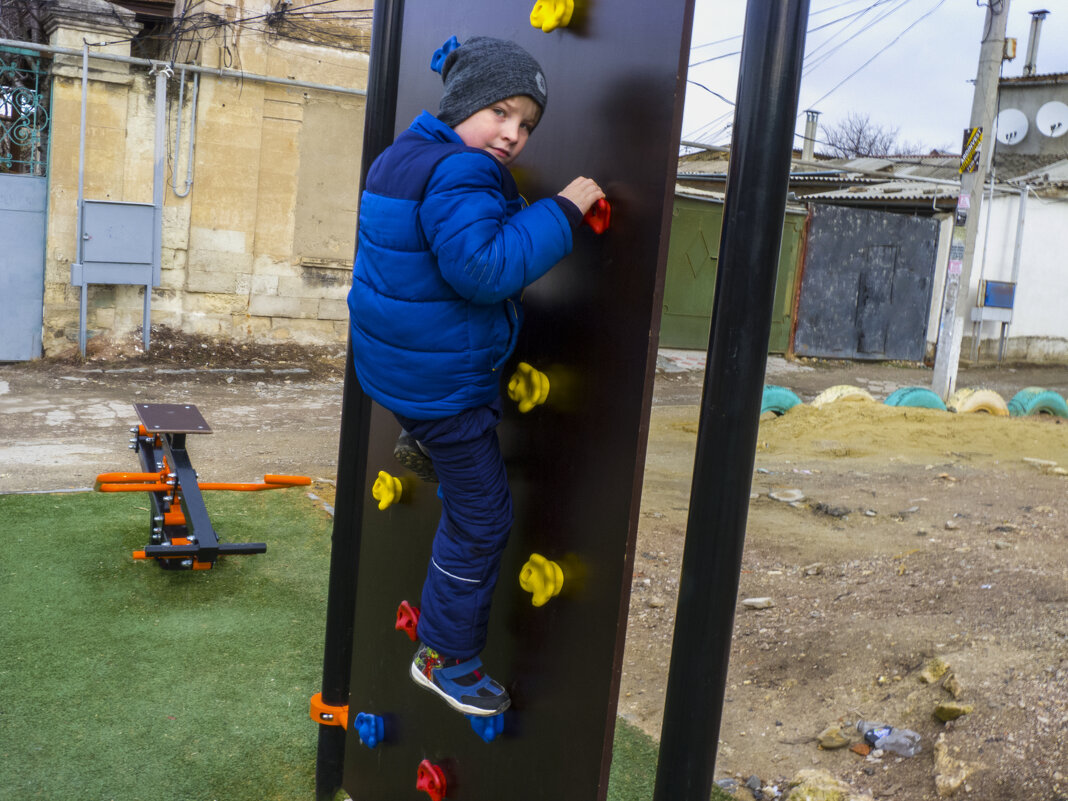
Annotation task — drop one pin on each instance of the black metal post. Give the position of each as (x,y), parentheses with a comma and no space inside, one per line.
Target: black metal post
(206,542)
(379,124)
(768,85)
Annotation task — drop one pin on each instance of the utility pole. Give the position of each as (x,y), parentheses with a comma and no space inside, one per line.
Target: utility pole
(979,137)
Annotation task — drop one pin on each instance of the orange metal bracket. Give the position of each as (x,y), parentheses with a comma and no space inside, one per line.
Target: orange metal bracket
(154,482)
(197,564)
(132,482)
(328,715)
(269,482)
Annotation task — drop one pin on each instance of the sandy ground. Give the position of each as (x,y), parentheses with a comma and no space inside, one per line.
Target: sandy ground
(921,536)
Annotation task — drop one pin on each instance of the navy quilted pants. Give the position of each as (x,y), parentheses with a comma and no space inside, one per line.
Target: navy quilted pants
(476,517)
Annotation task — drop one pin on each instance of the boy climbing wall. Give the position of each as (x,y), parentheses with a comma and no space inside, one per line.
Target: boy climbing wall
(446,245)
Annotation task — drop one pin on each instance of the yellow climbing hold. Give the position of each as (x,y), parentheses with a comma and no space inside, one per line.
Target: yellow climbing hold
(552,14)
(542,577)
(528,387)
(386,490)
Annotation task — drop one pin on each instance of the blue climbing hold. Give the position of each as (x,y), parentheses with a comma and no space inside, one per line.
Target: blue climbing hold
(487,727)
(438,61)
(371,728)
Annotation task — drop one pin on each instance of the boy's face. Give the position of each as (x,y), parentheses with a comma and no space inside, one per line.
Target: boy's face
(502,128)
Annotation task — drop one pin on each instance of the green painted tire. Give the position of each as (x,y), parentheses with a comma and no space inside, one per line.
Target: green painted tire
(1037,400)
(920,397)
(778,400)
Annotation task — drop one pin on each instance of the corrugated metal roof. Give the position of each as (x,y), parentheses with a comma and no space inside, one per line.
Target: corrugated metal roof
(796,179)
(1055,77)
(947,167)
(1011,165)
(719,197)
(943,166)
(699,194)
(1049,175)
(838,178)
(866,164)
(889,192)
(703,166)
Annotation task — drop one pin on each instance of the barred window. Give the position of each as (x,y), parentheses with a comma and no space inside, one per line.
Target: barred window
(24,110)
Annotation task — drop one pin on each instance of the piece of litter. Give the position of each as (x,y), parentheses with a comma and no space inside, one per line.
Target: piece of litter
(758,603)
(1039,462)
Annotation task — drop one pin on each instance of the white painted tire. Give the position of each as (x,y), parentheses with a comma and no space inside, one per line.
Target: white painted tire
(841,392)
(977,400)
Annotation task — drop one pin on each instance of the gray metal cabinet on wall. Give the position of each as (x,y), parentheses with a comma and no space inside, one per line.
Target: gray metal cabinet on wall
(866,285)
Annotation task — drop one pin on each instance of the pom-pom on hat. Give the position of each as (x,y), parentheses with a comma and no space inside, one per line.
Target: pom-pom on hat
(482,71)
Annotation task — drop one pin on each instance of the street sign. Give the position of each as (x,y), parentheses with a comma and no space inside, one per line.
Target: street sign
(969,159)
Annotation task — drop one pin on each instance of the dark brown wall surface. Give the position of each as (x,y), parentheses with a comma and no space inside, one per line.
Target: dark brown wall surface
(616,81)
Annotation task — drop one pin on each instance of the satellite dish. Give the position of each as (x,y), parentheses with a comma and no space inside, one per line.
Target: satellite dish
(1052,119)
(1011,126)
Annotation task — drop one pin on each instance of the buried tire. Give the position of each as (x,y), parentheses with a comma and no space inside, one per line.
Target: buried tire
(1037,400)
(841,392)
(919,397)
(778,400)
(977,400)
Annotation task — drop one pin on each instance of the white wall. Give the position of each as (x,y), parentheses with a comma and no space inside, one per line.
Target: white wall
(1039,329)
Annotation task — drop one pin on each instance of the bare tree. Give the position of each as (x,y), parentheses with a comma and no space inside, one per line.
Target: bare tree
(857,135)
(21,19)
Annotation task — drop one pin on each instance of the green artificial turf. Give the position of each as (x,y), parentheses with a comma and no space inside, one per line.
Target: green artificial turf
(120,681)
(634,755)
(633,764)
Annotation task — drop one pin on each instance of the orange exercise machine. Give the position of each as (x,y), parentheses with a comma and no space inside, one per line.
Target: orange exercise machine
(182,536)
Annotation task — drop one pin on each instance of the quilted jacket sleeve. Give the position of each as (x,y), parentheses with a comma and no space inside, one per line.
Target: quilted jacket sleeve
(482,253)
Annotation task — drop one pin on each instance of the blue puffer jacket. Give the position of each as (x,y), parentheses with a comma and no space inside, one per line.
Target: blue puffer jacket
(446,244)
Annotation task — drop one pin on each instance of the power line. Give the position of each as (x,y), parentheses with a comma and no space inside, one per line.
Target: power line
(811,64)
(811,15)
(854,15)
(710,91)
(877,53)
(816,61)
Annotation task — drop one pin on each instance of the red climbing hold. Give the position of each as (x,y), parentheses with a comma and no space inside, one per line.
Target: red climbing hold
(407,619)
(430,779)
(599,217)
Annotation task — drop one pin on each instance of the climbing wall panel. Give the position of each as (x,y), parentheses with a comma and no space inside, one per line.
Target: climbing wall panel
(615,78)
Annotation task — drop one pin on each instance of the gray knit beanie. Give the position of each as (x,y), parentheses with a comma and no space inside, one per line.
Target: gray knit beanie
(481,72)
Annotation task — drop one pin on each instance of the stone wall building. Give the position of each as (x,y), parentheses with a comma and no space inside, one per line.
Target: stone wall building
(262,135)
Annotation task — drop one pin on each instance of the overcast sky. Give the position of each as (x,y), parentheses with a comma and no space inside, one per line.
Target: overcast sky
(921,84)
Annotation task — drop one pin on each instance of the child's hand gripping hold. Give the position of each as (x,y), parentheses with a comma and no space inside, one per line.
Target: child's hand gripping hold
(583,192)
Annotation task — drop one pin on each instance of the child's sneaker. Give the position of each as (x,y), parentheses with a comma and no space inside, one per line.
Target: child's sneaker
(461,683)
(410,453)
